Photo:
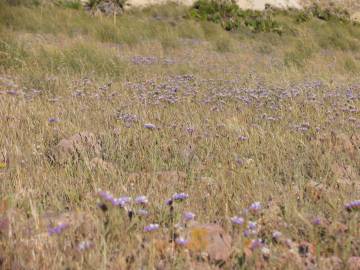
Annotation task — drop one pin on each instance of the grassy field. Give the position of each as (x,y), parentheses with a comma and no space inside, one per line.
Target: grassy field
(165,104)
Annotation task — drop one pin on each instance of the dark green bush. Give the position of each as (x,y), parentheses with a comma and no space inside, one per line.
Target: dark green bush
(231,17)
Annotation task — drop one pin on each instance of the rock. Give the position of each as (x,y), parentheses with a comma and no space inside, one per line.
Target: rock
(353,263)
(210,239)
(79,146)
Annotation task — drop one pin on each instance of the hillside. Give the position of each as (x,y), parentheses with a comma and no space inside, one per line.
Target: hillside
(178,137)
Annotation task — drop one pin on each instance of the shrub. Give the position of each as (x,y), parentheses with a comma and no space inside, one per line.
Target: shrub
(231,17)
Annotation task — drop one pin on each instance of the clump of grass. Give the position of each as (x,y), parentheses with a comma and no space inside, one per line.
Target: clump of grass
(299,55)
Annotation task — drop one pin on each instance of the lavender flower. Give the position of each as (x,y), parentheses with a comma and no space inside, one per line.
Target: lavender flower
(243,138)
(151,227)
(190,130)
(180,196)
(150,126)
(141,200)
(237,220)
(57,229)
(181,241)
(316,221)
(105,195)
(84,245)
(248,232)
(256,243)
(53,120)
(276,235)
(255,207)
(169,202)
(353,205)
(252,225)
(189,216)
(121,201)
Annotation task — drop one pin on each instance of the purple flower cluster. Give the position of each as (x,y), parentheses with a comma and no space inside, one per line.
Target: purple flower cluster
(84,245)
(53,120)
(237,220)
(151,227)
(180,196)
(143,200)
(149,126)
(181,241)
(108,197)
(188,216)
(276,235)
(354,205)
(255,207)
(256,244)
(57,229)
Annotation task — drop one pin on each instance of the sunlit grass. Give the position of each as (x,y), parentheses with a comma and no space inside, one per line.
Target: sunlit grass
(239,117)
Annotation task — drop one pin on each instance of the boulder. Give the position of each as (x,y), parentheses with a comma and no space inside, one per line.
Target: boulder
(82,145)
(209,239)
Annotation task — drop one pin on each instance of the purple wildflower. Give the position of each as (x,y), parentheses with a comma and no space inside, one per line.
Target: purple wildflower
(316,221)
(248,232)
(151,227)
(53,120)
(121,201)
(237,220)
(180,196)
(190,130)
(169,202)
(125,199)
(256,243)
(243,138)
(252,225)
(276,235)
(181,241)
(105,195)
(141,200)
(189,216)
(255,207)
(353,205)
(150,126)
(57,229)
(84,245)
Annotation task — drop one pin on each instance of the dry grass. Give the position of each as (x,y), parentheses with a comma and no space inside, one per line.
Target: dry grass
(240,117)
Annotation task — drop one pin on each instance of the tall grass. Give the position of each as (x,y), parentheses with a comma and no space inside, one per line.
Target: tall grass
(241,115)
